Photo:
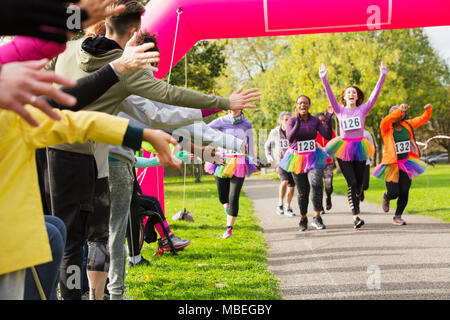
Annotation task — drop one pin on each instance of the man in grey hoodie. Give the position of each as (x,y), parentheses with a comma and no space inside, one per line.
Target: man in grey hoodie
(77,181)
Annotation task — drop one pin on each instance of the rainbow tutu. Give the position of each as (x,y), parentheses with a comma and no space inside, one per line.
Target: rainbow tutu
(390,172)
(346,149)
(297,162)
(238,165)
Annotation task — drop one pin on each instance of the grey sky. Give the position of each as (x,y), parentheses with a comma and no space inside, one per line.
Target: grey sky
(440,40)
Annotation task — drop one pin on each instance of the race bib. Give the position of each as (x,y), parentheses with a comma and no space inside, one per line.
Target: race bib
(284,143)
(403,146)
(232,153)
(351,123)
(306,145)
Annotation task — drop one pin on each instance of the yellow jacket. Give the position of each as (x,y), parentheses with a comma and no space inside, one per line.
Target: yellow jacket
(23,236)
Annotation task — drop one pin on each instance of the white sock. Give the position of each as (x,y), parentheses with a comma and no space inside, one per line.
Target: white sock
(280,202)
(136,259)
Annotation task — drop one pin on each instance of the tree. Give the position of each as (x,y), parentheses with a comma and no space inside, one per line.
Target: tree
(200,68)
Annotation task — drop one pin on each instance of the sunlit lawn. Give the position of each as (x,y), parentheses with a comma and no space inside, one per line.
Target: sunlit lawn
(210,267)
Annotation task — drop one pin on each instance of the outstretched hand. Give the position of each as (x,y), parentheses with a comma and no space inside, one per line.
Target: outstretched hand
(135,58)
(383,66)
(323,70)
(404,107)
(428,106)
(22,83)
(239,99)
(330,109)
(160,141)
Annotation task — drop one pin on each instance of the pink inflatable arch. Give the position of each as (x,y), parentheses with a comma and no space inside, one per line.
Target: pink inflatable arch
(214,19)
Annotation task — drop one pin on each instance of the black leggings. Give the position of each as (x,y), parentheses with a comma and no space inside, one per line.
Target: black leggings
(229,190)
(353,172)
(399,190)
(305,182)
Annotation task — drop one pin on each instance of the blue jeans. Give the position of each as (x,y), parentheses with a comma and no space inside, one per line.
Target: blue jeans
(48,272)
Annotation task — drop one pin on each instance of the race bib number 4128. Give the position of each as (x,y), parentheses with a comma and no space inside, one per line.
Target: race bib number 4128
(351,123)
(306,145)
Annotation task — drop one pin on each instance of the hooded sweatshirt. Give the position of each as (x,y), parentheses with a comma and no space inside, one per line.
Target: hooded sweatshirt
(85,56)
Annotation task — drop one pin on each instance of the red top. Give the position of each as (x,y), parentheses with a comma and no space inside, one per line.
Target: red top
(322,141)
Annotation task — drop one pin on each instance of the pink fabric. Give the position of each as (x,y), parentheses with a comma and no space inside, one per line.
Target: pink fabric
(206,112)
(160,230)
(353,139)
(26,48)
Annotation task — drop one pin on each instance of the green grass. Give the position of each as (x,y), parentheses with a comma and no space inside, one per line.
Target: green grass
(210,268)
(429,194)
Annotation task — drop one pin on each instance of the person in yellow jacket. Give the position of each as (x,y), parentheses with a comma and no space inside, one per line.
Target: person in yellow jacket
(22,230)
(400,162)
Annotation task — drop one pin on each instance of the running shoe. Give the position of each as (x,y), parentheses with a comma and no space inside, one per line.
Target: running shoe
(398,221)
(280,210)
(358,223)
(303,225)
(329,204)
(142,262)
(318,223)
(228,233)
(178,243)
(290,212)
(385,204)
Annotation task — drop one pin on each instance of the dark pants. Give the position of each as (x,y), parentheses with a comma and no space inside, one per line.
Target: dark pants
(139,204)
(366,177)
(82,202)
(229,190)
(305,182)
(48,273)
(353,172)
(399,190)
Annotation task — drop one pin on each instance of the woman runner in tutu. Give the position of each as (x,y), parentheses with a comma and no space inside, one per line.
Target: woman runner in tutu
(230,176)
(306,160)
(400,162)
(351,149)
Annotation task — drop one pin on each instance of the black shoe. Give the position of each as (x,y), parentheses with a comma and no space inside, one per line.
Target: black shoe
(385,204)
(177,242)
(142,262)
(318,223)
(358,223)
(329,205)
(303,225)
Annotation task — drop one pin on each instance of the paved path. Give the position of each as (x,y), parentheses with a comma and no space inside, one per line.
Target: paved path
(379,261)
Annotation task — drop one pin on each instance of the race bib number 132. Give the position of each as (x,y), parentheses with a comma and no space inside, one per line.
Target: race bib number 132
(403,146)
